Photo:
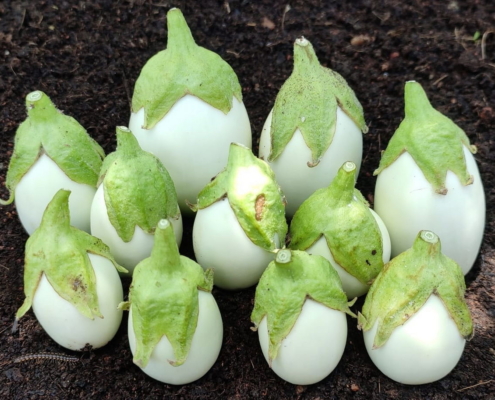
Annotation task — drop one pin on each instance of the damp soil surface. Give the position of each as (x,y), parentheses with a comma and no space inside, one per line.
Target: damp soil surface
(86,55)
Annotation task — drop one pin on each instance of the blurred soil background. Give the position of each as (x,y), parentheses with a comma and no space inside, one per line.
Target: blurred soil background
(86,55)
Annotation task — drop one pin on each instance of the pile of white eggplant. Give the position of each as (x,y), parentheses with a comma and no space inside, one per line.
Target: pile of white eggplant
(188,149)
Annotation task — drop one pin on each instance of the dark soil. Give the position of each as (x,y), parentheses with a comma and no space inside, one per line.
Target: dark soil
(86,56)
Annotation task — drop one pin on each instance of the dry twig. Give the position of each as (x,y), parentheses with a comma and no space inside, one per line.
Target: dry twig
(473,386)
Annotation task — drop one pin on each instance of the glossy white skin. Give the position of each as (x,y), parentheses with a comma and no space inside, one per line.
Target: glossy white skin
(297,180)
(192,141)
(67,326)
(423,350)
(351,285)
(220,243)
(205,347)
(138,248)
(406,202)
(37,188)
(314,346)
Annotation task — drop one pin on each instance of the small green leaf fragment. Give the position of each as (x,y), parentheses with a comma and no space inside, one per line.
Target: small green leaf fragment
(93,245)
(284,287)
(434,141)
(124,305)
(407,282)
(213,191)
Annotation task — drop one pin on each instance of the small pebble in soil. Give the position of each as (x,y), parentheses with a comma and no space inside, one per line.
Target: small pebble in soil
(300,389)
(13,374)
(360,40)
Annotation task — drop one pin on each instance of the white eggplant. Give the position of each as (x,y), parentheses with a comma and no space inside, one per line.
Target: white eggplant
(299,313)
(205,347)
(66,325)
(424,349)
(428,179)
(241,212)
(187,108)
(314,127)
(312,349)
(216,234)
(175,327)
(295,177)
(337,223)
(37,188)
(135,193)
(71,281)
(415,319)
(52,151)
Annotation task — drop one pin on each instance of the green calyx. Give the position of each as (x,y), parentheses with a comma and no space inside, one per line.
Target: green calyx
(308,101)
(406,283)
(60,137)
(138,190)
(183,68)
(164,298)
(60,252)
(254,195)
(340,213)
(285,285)
(434,141)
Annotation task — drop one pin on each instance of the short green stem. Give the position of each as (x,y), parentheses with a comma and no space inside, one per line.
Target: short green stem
(416,101)
(305,59)
(349,166)
(127,142)
(34,96)
(283,256)
(345,181)
(57,212)
(180,38)
(40,106)
(165,248)
(429,237)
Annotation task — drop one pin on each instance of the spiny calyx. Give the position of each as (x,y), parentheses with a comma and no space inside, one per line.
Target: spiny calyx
(434,141)
(406,283)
